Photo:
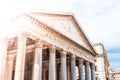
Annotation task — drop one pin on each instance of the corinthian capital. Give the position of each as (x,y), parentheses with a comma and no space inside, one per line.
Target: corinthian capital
(39,43)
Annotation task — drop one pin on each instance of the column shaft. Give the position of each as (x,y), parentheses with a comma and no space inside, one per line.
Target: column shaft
(52,64)
(20,59)
(92,71)
(87,72)
(3,54)
(73,67)
(37,74)
(9,68)
(63,66)
(81,76)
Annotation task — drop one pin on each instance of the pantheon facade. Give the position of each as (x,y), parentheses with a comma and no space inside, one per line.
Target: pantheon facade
(46,46)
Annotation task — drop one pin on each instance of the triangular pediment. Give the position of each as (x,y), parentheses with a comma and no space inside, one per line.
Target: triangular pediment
(65,24)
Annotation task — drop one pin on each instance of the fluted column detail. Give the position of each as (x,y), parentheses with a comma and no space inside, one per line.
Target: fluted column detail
(81,76)
(20,59)
(87,71)
(63,66)
(92,71)
(52,63)
(73,67)
(37,74)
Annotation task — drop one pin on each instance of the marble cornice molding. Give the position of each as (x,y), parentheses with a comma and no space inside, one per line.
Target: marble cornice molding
(46,27)
(101,55)
(52,13)
(74,20)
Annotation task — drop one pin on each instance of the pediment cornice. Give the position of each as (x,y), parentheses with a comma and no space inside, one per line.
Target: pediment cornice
(48,28)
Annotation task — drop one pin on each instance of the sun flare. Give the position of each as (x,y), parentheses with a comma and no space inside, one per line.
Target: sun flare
(8,30)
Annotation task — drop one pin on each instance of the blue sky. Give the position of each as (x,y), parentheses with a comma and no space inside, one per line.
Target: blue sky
(100,19)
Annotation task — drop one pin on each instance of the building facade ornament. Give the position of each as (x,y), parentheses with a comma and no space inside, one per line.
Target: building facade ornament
(40,51)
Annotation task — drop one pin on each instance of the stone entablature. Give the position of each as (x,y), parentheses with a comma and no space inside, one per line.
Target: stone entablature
(65,24)
(41,30)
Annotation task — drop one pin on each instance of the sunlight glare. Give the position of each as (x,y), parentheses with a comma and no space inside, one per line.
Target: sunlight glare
(8,30)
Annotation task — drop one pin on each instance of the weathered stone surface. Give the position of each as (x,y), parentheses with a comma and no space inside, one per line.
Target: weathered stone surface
(66,25)
(20,60)
(59,32)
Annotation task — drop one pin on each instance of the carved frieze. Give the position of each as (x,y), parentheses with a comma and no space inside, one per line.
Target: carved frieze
(66,25)
(42,31)
(59,41)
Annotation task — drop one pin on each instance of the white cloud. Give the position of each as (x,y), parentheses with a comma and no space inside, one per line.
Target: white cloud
(114,60)
(14,7)
(104,26)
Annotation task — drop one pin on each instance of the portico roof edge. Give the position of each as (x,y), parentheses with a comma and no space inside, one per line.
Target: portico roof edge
(31,17)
